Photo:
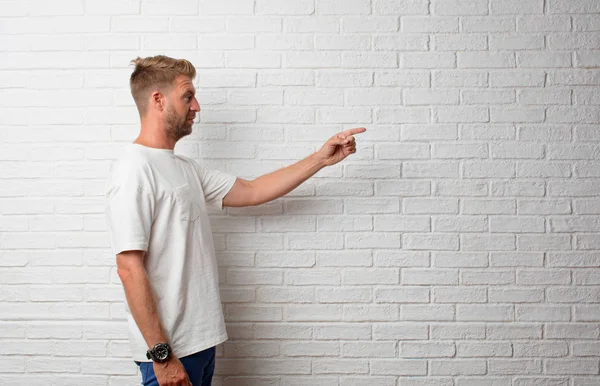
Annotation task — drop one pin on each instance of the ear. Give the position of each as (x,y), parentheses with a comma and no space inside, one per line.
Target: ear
(157,100)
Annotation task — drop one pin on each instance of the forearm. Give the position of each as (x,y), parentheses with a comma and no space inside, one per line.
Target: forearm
(142,305)
(280,182)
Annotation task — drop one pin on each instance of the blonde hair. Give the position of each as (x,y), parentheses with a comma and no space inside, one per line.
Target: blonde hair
(156,72)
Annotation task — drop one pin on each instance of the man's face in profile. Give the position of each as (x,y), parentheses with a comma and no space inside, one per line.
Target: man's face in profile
(181,108)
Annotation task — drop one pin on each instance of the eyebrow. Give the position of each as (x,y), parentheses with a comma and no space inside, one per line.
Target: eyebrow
(193,92)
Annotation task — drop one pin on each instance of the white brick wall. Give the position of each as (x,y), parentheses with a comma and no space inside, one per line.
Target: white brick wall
(458,247)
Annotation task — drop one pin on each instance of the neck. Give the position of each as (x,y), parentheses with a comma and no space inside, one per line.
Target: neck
(152,134)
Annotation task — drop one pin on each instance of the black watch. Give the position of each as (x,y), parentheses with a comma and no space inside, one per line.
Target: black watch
(159,353)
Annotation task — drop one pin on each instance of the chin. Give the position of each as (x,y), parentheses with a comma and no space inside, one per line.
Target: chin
(185,131)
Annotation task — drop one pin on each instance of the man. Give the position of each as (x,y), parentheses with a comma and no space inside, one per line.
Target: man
(156,206)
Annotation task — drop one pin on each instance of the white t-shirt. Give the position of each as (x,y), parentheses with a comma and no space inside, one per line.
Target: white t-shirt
(157,202)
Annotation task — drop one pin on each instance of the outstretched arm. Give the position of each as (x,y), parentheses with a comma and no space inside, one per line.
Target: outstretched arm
(280,182)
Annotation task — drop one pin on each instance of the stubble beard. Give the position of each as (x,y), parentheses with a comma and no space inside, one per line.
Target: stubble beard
(176,128)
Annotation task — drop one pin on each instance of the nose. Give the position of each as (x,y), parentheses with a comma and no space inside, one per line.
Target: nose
(195,105)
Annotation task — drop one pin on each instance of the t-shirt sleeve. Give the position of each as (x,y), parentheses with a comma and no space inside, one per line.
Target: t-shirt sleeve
(129,214)
(215,184)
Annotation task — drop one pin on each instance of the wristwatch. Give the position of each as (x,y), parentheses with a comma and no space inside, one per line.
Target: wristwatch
(159,353)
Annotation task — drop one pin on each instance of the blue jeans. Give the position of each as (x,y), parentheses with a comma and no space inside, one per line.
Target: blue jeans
(200,368)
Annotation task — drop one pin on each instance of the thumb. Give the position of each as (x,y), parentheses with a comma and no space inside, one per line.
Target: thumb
(340,139)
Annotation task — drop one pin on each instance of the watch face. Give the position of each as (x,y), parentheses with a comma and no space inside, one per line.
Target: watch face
(161,352)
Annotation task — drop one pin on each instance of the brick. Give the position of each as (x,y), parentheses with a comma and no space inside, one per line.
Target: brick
(345,78)
(401,295)
(428,60)
(459,295)
(362,24)
(540,242)
(574,41)
(305,24)
(271,7)
(403,330)
(551,133)
(369,60)
(516,295)
(430,205)
(346,331)
(486,60)
(587,59)
(399,367)
(316,349)
(345,42)
(399,187)
(414,276)
(483,349)
(494,97)
(540,277)
(405,114)
(489,169)
(396,7)
(538,313)
(348,223)
(586,23)
(488,24)
(516,7)
(270,367)
(253,24)
(344,258)
(370,313)
(577,77)
(340,366)
(572,366)
(572,259)
(515,366)
(427,349)
(459,260)
(459,224)
(308,277)
(345,7)
(460,151)
(458,367)
(403,151)
(460,188)
(374,96)
(430,97)
(582,6)
(343,115)
(516,42)
(460,8)
(484,242)
(416,132)
(253,349)
(542,59)
(432,24)
(343,295)
(489,277)
(459,331)
(306,313)
(514,331)
(417,169)
(461,114)
(237,7)
(417,78)
(400,42)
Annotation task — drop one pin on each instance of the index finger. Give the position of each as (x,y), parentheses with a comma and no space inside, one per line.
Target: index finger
(356,130)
